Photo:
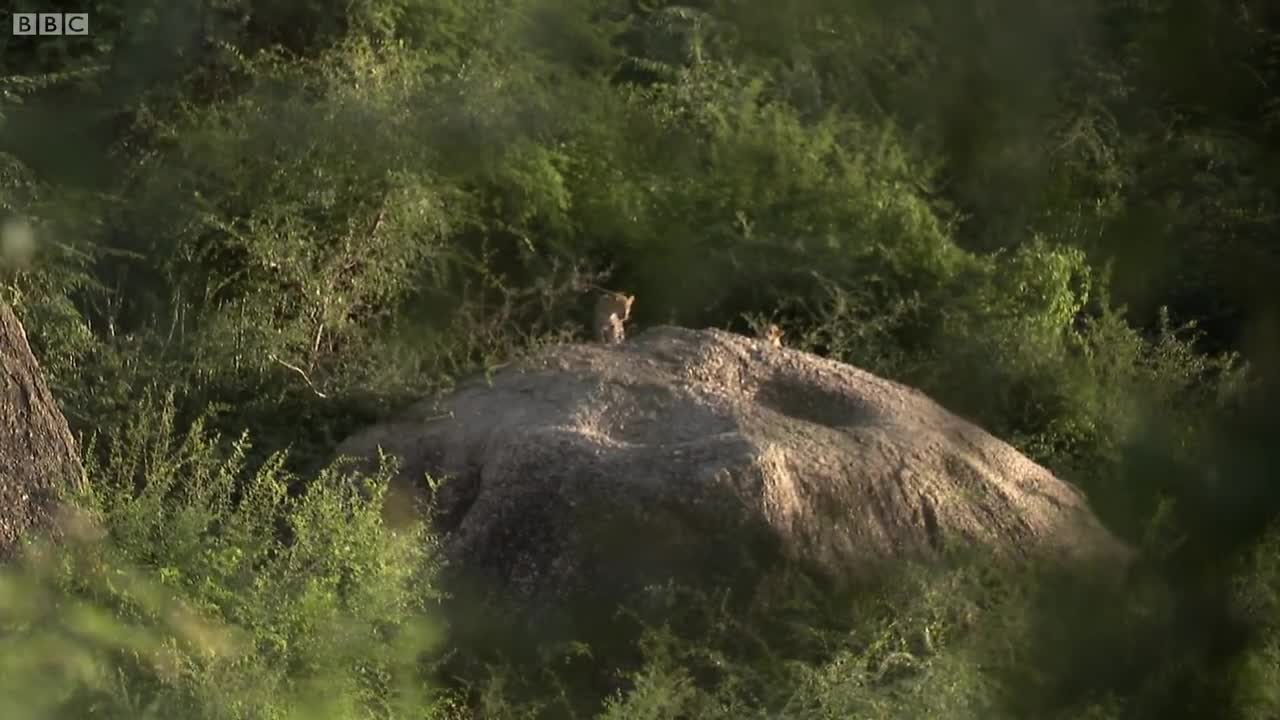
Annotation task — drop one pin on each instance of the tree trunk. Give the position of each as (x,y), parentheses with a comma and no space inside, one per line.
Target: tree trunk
(38,455)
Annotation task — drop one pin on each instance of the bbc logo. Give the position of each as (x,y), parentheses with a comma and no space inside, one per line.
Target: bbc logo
(51,23)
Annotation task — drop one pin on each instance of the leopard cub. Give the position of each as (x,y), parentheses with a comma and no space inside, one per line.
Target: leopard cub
(612,312)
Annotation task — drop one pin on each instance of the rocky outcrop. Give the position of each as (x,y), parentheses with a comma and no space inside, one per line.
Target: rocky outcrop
(684,453)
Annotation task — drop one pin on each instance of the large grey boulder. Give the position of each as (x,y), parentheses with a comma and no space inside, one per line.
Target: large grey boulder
(687,453)
(38,456)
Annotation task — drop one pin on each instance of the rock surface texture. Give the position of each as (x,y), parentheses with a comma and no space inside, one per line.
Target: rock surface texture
(683,452)
(38,456)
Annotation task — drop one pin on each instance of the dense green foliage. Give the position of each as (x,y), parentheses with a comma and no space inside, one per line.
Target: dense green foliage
(1059,219)
(197,608)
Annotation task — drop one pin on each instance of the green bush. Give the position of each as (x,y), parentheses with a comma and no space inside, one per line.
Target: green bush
(194,587)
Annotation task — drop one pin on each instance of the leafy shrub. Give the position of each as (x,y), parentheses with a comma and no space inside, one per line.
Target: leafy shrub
(192,587)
